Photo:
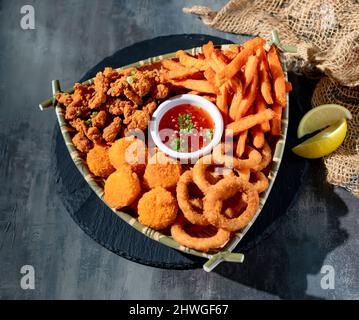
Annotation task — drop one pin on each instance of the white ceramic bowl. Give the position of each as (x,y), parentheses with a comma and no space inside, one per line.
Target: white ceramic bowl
(195,100)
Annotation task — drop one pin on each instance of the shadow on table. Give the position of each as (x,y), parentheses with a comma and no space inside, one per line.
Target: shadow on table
(280,264)
(299,224)
(306,232)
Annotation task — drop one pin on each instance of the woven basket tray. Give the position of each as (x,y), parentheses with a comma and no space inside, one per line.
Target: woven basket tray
(96,184)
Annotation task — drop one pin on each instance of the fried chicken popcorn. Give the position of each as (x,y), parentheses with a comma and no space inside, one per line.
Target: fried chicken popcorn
(157,208)
(99,120)
(122,188)
(162,171)
(116,102)
(81,142)
(111,131)
(139,119)
(129,151)
(98,161)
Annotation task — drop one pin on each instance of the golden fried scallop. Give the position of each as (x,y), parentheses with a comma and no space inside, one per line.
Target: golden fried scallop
(157,208)
(129,151)
(162,171)
(98,161)
(122,188)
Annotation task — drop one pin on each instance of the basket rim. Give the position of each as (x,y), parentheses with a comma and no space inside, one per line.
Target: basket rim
(93,182)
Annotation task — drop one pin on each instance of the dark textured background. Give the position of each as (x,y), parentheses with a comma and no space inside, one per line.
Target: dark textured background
(35,228)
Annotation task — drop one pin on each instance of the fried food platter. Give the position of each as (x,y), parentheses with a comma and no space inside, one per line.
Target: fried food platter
(97,183)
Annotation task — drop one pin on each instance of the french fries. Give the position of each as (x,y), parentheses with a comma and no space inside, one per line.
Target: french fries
(254,43)
(250,71)
(197,85)
(222,101)
(239,61)
(241,144)
(233,67)
(288,87)
(219,59)
(171,64)
(236,100)
(236,85)
(232,52)
(277,119)
(248,122)
(177,71)
(260,105)
(210,75)
(277,76)
(258,136)
(207,49)
(264,77)
(189,61)
(248,98)
(246,83)
(181,73)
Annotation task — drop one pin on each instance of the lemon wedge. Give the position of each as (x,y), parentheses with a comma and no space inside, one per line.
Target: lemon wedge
(323,143)
(321,117)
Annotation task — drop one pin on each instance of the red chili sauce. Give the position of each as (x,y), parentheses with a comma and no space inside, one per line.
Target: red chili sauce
(186,128)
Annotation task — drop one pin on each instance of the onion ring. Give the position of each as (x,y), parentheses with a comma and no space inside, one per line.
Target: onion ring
(261,184)
(204,181)
(202,178)
(214,176)
(236,207)
(254,158)
(244,174)
(221,156)
(266,158)
(192,214)
(226,189)
(196,203)
(199,173)
(222,149)
(198,243)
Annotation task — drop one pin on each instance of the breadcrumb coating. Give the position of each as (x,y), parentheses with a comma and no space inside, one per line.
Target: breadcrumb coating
(157,208)
(121,188)
(162,171)
(129,151)
(98,161)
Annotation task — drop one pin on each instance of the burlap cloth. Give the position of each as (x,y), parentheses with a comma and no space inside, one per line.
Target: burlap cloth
(326,34)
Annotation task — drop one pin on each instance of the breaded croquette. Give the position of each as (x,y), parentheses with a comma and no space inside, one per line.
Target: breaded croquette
(122,188)
(98,161)
(157,208)
(129,151)
(162,171)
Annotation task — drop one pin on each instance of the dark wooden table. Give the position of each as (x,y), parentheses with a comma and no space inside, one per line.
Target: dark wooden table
(320,230)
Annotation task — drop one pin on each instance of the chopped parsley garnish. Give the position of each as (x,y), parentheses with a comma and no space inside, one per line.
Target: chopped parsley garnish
(130,79)
(185,123)
(133,72)
(88,122)
(208,134)
(94,114)
(176,144)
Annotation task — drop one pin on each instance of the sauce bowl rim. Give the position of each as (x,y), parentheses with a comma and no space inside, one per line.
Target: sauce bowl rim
(198,101)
